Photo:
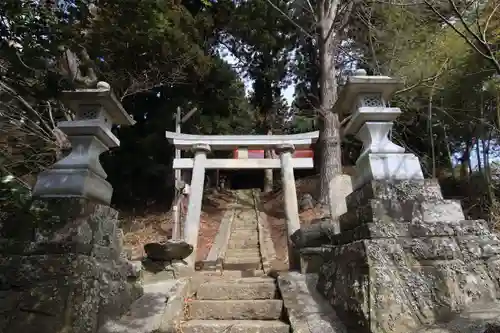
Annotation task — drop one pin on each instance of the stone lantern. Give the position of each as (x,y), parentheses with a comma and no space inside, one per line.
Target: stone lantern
(71,250)
(80,174)
(365,99)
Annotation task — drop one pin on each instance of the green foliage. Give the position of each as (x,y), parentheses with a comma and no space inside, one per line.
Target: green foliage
(19,215)
(158,55)
(262,38)
(146,44)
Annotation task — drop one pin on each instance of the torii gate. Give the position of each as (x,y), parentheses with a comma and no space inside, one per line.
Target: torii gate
(284,145)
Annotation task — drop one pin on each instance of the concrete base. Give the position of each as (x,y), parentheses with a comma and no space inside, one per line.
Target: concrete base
(73,183)
(340,189)
(387,166)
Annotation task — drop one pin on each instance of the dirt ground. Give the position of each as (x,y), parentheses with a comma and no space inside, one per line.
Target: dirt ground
(155,227)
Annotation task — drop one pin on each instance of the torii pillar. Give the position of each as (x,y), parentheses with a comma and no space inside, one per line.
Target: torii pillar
(192,222)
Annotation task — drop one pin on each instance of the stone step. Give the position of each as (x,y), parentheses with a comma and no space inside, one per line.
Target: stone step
(233,276)
(252,275)
(243,253)
(244,227)
(246,237)
(245,216)
(236,309)
(228,290)
(241,260)
(239,222)
(242,245)
(242,266)
(250,237)
(235,258)
(234,326)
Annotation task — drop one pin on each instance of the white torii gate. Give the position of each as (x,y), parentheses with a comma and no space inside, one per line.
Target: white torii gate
(202,144)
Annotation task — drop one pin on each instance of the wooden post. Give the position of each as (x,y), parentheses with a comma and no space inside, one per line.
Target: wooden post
(177,176)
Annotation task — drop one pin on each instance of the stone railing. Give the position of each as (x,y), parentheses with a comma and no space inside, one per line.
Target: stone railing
(68,272)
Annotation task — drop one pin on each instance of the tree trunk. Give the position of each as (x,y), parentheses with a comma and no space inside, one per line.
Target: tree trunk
(478,157)
(465,160)
(329,140)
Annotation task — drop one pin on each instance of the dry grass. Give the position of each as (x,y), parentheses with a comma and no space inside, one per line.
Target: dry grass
(153,227)
(140,230)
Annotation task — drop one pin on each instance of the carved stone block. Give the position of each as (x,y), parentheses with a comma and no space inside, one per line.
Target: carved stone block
(407,260)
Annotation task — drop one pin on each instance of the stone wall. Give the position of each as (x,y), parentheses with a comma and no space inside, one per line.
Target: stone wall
(406,260)
(70,275)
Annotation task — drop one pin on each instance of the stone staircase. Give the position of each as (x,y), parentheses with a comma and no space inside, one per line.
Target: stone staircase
(241,299)
(235,305)
(243,252)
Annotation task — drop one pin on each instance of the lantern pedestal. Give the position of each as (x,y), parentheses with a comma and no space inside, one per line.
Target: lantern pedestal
(387,166)
(80,174)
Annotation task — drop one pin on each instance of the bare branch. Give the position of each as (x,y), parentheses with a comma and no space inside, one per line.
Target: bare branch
(312,10)
(291,20)
(432,78)
(28,107)
(465,25)
(451,25)
(49,109)
(487,23)
(481,42)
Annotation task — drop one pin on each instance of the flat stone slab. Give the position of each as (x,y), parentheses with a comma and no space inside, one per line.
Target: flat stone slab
(221,242)
(145,314)
(235,326)
(227,290)
(236,309)
(308,311)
